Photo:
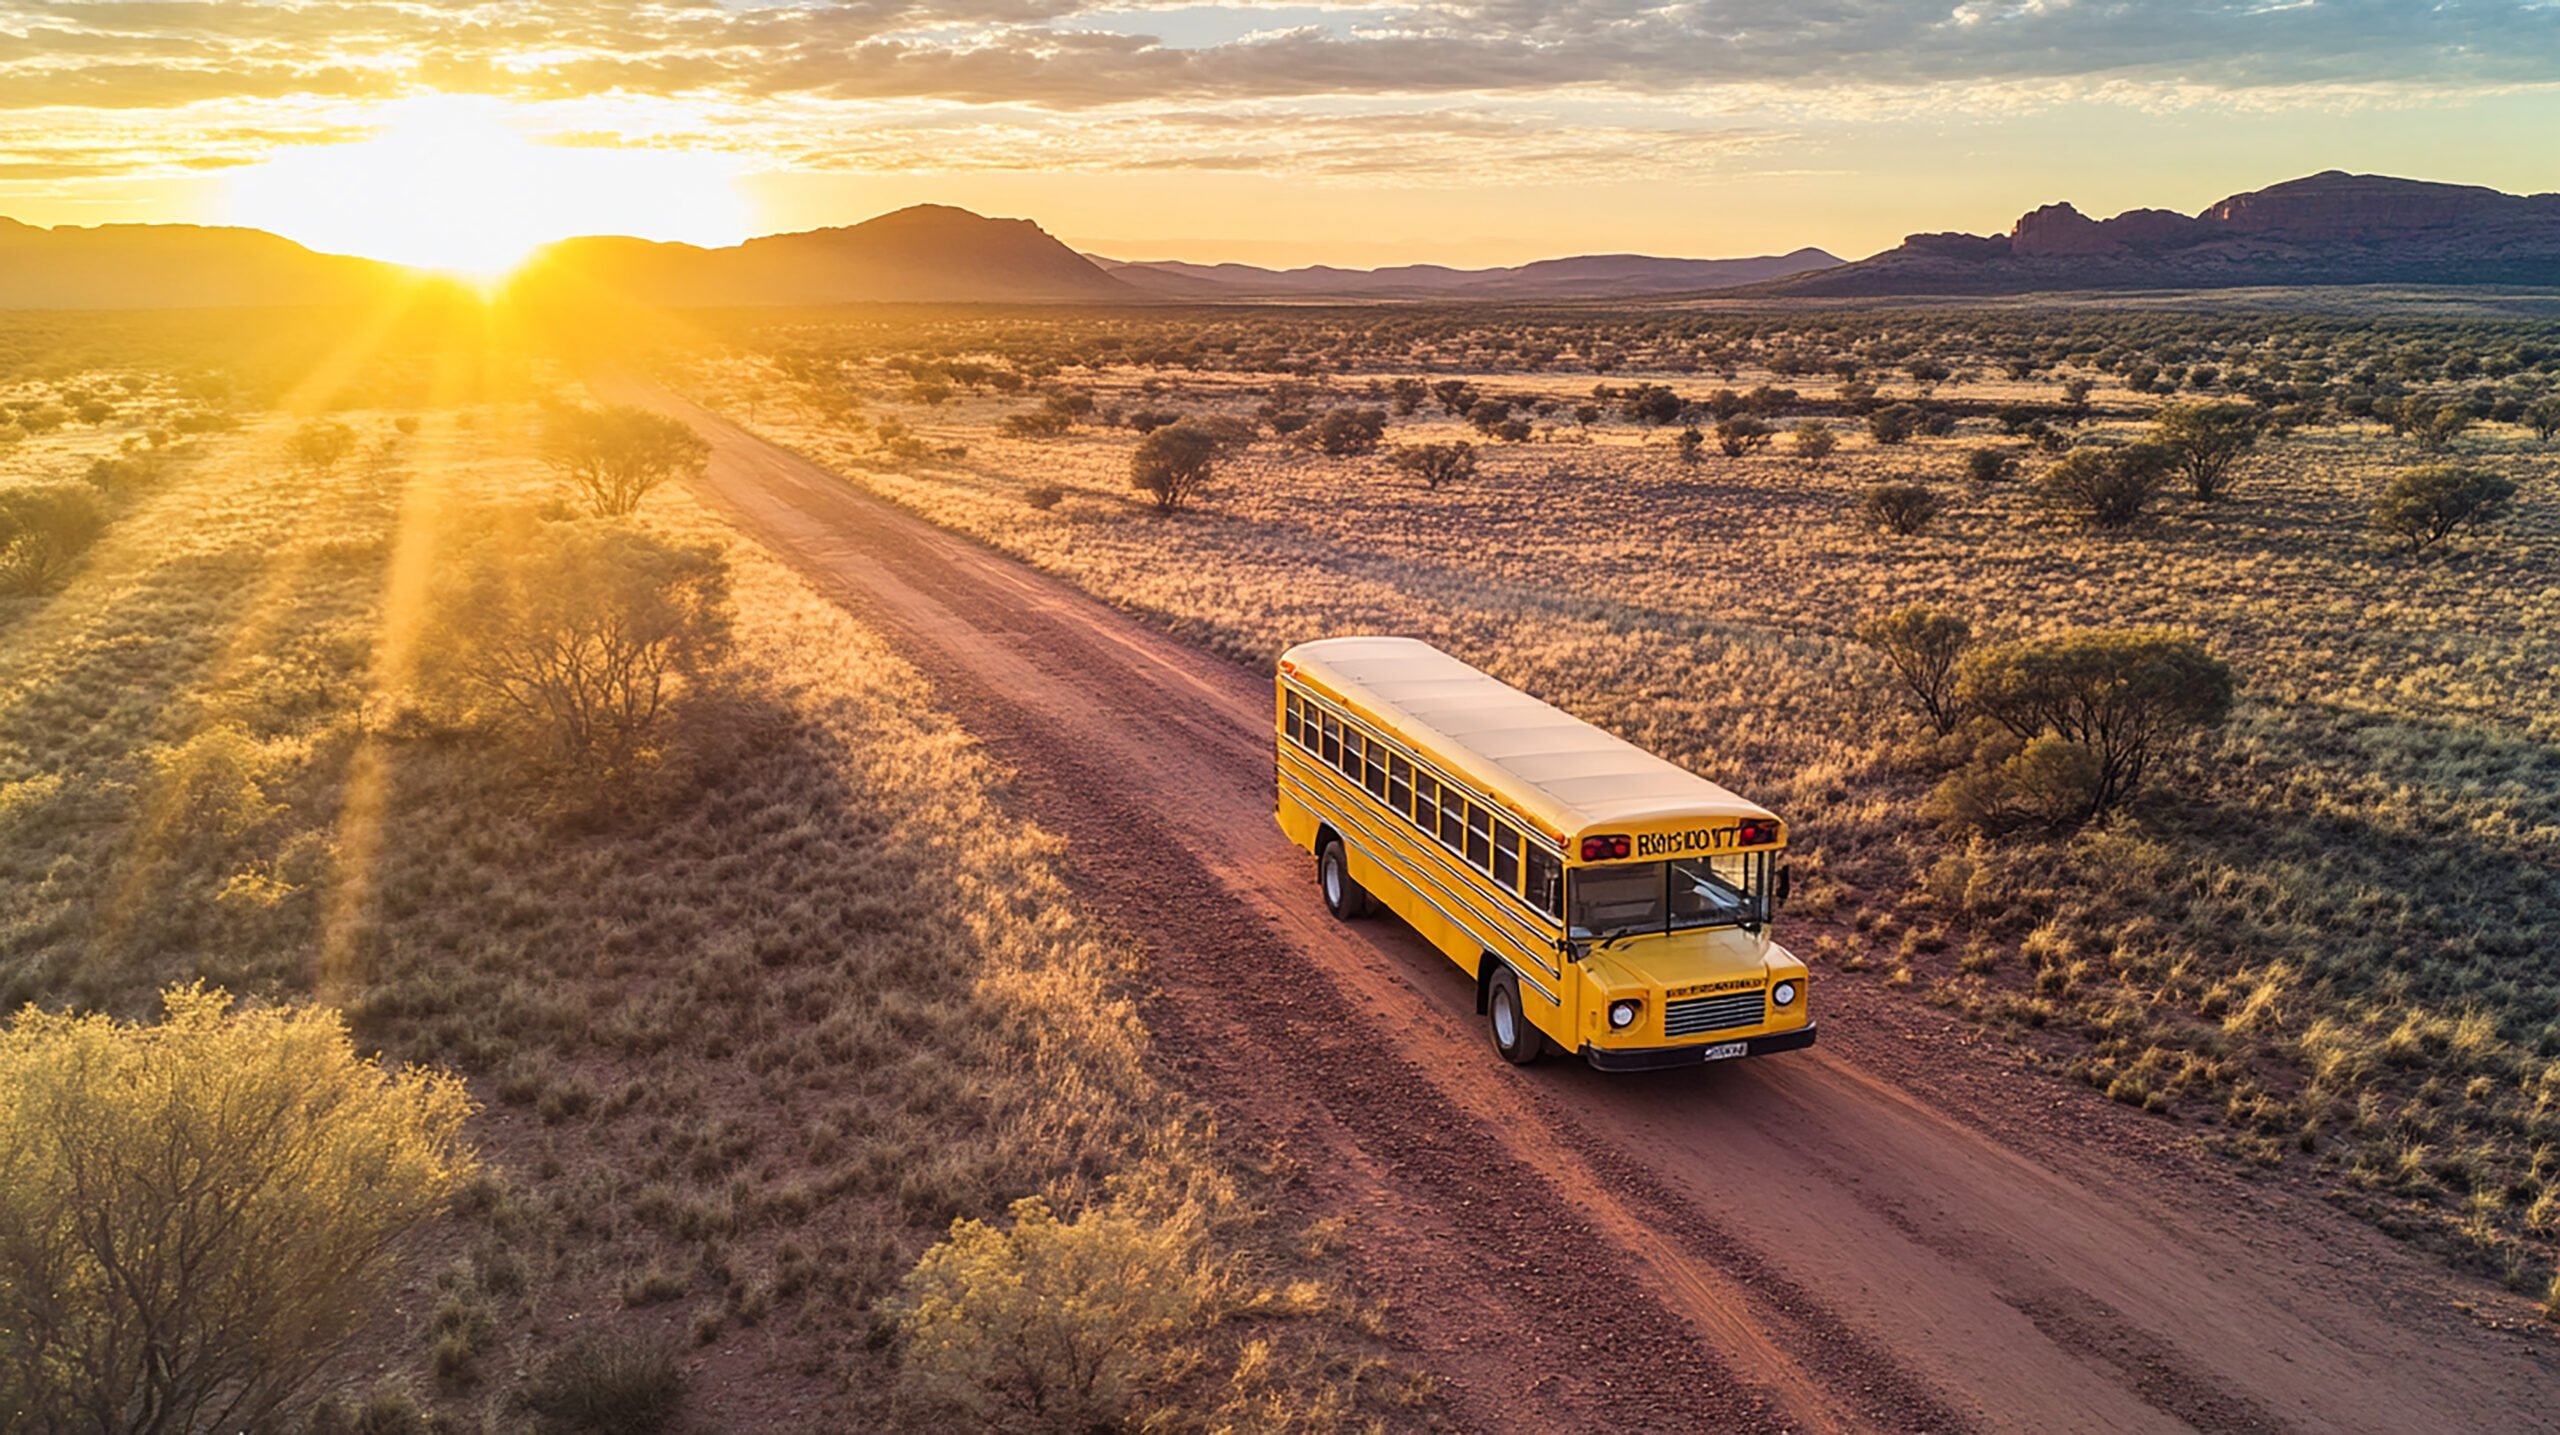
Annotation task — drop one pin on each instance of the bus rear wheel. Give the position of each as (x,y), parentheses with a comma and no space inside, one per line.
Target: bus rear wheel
(1514,1038)
(1343,897)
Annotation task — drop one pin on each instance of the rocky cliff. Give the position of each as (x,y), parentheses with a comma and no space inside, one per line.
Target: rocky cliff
(2330,228)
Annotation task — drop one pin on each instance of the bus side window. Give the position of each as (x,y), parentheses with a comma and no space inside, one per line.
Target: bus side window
(1399,783)
(1479,836)
(1506,856)
(1352,742)
(1546,881)
(1426,804)
(1291,724)
(1374,777)
(1332,740)
(1453,821)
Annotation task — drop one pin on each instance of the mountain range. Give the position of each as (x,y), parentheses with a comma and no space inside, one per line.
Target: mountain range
(1588,276)
(2326,229)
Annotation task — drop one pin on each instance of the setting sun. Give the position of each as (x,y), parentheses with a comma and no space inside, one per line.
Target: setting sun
(452,183)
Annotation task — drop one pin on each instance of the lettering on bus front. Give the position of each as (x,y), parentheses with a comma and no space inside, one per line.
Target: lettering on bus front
(1696,839)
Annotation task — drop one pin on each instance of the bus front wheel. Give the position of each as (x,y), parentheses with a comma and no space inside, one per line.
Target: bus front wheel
(1514,1038)
(1343,896)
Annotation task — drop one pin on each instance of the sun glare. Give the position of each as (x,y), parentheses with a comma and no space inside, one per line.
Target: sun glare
(452,183)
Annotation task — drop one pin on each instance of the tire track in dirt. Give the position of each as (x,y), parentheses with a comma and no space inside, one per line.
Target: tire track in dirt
(1789,1243)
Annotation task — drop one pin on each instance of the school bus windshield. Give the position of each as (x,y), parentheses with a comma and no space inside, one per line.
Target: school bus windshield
(1625,899)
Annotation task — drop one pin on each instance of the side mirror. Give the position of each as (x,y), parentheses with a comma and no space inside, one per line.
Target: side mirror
(1786,881)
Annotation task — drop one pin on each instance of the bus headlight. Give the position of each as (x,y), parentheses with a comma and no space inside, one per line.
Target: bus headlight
(1784,994)
(1623,1014)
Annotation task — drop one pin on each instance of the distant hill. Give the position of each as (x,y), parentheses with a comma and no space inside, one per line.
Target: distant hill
(929,253)
(2328,228)
(1589,276)
(175,266)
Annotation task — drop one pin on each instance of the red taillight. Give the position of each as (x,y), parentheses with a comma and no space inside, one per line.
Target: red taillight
(1753,834)
(1605,849)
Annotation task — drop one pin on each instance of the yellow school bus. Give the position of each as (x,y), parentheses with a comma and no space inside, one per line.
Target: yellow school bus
(1606,902)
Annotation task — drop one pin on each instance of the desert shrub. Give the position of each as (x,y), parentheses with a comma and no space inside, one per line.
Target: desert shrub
(1743,434)
(2106,487)
(1043,496)
(604,1383)
(2048,782)
(1690,445)
(1175,463)
(1344,432)
(2122,695)
(44,528)
(211,783)
(1814,440)
(1989,465)
(195,1215)
(1900,507)
(614,456)
(2205,441)
(319,445)
(1922,644)
(574,636)
(1053,1321)
(1147,421)
(1436,463)
(2424,506)
(1037,423)
(1894,423)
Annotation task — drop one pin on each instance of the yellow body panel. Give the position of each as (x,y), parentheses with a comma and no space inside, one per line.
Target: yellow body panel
(1555,780)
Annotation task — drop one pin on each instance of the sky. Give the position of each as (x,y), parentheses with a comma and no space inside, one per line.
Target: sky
(1474,132)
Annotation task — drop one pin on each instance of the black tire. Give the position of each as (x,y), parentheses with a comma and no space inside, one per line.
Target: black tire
(1515,1039)
(1343,896)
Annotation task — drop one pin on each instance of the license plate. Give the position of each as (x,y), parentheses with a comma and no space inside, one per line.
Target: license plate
(1730,1048)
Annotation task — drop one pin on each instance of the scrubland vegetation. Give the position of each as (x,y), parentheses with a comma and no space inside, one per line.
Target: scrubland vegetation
(354,699)
(2313,919)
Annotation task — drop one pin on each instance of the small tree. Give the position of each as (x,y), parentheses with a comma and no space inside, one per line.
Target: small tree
(1903,508)
(2205,441)
(1814,440)
(2543,417)
(1989,465)
(2435,428)
(196,1215)
(1436,463)
(1342,433)
(613,456)
(2122,696)
(1173,464)
(2104,487)
(44,528)
(1742,434)
(1923,644)
(1455,396)
(1053,1321)
(1894,423)
(318,445)
(2427,505)
(575,637)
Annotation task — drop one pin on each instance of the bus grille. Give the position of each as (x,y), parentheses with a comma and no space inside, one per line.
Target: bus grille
(1715,1013)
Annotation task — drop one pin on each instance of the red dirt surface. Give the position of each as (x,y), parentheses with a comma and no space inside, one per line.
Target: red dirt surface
(1896,1230)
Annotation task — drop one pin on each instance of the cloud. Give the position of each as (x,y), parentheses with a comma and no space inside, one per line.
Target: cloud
(1292,88)
(142,52)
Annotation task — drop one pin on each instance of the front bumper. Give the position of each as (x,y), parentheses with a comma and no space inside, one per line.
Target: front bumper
(1660,1058)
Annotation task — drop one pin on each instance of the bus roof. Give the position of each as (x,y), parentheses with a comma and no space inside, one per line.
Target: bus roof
(1560,770)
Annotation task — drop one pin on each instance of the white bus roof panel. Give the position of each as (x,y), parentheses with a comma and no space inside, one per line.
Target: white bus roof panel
(1560,769)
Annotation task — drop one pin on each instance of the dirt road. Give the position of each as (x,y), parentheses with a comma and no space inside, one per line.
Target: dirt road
(1888,1232)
